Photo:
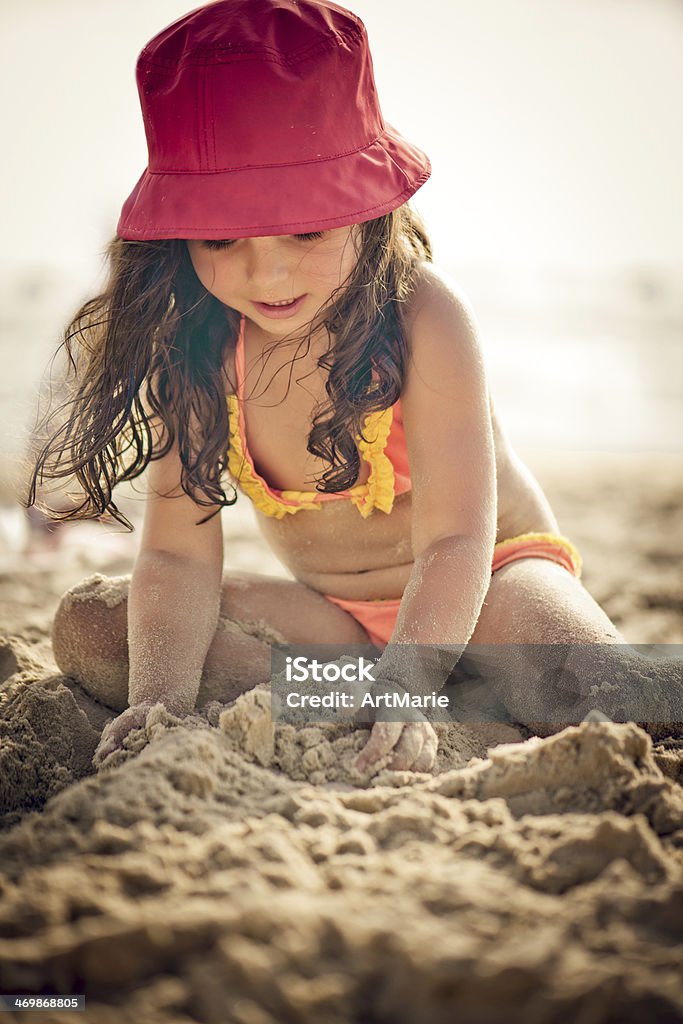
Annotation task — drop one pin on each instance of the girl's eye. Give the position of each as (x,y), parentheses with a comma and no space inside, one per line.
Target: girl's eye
(214,243)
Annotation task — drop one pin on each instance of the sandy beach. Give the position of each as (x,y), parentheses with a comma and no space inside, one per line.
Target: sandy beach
(223,870)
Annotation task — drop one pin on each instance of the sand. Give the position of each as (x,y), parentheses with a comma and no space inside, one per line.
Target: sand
(222,870)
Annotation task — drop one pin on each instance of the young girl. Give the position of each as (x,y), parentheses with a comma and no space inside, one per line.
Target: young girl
(273,314)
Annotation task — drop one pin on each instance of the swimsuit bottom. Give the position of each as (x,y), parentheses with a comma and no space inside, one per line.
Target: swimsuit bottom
(378,617)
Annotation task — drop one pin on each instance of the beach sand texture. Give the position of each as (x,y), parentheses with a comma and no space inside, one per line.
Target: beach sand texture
(219,870)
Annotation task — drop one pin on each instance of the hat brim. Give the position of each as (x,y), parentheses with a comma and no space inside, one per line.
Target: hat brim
(277,200)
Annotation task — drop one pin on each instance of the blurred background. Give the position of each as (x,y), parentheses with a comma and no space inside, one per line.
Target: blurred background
(555,132)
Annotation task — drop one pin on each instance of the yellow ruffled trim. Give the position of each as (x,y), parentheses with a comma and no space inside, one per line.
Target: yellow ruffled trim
(240,469)
(377,492)
(551,538)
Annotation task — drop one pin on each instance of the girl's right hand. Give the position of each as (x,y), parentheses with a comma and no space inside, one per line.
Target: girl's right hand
(116,731)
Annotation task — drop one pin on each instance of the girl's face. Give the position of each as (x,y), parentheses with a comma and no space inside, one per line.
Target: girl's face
(248,272)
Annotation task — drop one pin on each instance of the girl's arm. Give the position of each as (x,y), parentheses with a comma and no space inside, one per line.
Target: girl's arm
(451,453)
(173,604)
(174,593)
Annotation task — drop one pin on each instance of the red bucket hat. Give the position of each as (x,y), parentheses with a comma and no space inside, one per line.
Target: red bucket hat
(262,118)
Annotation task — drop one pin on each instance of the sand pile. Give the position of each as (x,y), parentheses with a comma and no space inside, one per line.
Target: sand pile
(200,877)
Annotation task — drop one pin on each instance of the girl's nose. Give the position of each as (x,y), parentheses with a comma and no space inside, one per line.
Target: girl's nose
(269,263)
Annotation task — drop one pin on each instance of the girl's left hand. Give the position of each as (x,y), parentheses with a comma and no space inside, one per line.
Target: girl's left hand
(414,745)
(115,732)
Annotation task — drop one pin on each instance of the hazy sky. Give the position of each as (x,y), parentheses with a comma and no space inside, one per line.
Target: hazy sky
(554,126)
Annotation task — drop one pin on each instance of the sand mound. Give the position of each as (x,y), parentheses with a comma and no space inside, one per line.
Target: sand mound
(201,872)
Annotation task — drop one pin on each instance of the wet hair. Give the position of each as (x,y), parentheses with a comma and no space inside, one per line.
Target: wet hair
(145,370)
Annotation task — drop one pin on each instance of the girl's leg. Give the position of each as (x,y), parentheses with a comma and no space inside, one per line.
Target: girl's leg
(534,603)
(89,634)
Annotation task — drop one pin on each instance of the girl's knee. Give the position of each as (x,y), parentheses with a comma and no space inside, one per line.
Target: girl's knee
(89,638)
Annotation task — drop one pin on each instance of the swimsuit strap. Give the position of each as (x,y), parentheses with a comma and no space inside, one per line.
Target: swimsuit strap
(377,492)
(240,463)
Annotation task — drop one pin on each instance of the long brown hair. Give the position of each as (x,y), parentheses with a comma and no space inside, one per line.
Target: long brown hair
(145,369)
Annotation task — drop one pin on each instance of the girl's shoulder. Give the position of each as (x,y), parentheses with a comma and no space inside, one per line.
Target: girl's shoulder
(435,295)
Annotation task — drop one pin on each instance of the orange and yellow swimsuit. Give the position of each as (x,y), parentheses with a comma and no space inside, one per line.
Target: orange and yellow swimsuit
(386,452)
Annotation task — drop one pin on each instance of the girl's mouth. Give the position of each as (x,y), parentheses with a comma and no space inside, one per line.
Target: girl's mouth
(279,312)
